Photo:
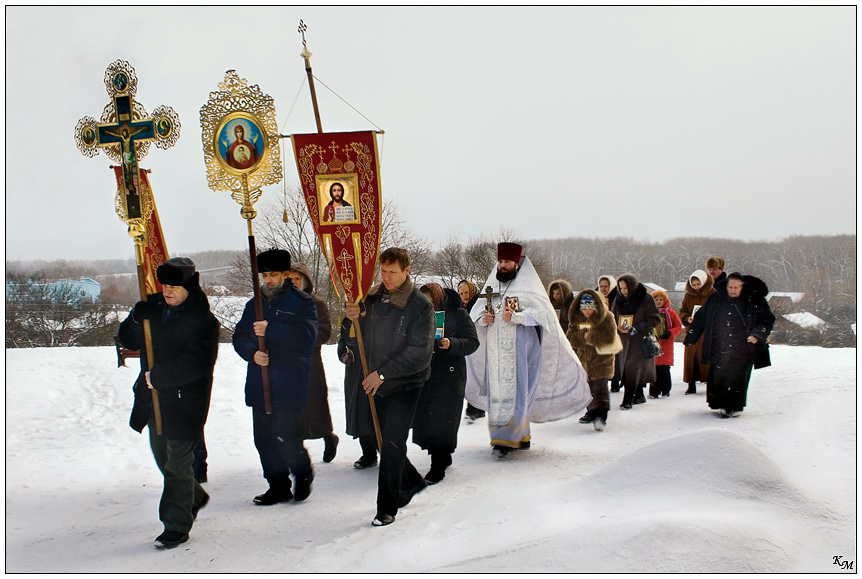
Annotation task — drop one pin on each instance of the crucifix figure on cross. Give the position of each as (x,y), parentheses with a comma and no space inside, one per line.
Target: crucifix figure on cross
(125,133)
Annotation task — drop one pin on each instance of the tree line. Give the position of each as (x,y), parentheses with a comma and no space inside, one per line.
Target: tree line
(821,267)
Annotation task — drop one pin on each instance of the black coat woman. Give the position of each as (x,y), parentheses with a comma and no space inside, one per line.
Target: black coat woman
(438,415)
(735,322)
(636,315)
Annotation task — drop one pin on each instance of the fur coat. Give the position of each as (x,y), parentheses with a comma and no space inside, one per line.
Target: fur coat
(601,332)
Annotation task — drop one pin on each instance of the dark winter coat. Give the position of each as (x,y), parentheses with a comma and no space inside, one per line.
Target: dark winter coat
(754,317)
(398,337)
(725,324)
(438,414)
(290,339)
(316,419)
(185,346)
(636,368)
(603,328)
(694,352)
(357,410)
(566,293)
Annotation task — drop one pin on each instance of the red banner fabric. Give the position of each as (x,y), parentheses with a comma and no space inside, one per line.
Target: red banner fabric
(155,248)
(339,175)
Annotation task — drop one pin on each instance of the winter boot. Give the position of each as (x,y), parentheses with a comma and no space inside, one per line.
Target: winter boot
(330,445)
(302,489)
(279,492)
(439,461)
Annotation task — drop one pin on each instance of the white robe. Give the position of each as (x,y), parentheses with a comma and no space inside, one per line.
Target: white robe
(562,389)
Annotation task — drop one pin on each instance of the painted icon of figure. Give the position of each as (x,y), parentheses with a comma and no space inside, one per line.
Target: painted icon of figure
(164,127)
(336,193)
(88,136)
(241,154)
(120,81)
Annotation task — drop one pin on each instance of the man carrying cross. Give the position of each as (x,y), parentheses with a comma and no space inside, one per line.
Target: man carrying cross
(185,345)
(524,370)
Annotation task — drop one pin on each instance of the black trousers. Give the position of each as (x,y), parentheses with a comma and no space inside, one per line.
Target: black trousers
(662,381)
(278,439)
(601,402)
(395,413)
(181,492)
(632,392)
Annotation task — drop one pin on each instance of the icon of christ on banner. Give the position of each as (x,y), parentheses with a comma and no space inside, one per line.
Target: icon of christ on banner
(337,199)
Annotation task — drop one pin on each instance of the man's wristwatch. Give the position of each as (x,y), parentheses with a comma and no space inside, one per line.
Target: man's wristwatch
(381,376)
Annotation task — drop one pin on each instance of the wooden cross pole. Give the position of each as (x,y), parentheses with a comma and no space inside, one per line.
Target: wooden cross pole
(120,133)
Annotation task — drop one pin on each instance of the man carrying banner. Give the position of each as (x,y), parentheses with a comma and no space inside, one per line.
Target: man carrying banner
(185,346)
(289,327)
(398,334)
(524,370)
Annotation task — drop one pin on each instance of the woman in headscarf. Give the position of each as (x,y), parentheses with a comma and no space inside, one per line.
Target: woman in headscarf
(698,288)
(438,413)
(636,315)
(560,294)
(607,287)
(666,331)
(469,293)
(734,322)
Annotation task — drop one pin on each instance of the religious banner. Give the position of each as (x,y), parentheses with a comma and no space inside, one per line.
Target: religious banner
(241,152)
(240,139)
(155,248)
(340,180)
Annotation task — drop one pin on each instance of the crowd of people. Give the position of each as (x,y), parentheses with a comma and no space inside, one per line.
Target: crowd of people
(517,352)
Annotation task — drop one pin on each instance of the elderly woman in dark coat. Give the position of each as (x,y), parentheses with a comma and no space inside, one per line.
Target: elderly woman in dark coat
(592,328)
(438,414)
(734,322)
(469,294)
(560,293)
(698,288)
(636,315)
(316,420)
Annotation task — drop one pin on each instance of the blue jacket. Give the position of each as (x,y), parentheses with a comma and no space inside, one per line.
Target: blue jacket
(290,337)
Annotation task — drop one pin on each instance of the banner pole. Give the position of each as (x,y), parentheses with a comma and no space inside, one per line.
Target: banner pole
(306,56)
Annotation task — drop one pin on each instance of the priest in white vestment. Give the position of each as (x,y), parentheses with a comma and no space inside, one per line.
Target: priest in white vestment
(525,369)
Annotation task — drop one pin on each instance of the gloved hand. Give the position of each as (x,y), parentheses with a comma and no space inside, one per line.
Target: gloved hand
(665,336)
(145,311)
(633,331)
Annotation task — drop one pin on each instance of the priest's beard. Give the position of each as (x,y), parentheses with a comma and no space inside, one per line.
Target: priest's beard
(506,275)
(270,293)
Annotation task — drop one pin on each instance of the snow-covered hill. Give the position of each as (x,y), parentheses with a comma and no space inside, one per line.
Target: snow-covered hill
(667,487)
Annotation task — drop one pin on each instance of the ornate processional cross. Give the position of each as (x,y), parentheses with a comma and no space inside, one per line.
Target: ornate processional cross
(488,294)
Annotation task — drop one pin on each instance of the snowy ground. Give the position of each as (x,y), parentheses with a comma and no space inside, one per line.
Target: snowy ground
(667,487)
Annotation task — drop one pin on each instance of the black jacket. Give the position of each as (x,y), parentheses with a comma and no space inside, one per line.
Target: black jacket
(185,346)
(398,337)
(438,414)
(755,315)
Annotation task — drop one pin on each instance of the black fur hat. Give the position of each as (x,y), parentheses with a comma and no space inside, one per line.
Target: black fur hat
(273,260)
(178,271)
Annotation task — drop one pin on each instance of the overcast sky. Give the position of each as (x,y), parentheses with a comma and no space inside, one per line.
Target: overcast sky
(649,122)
